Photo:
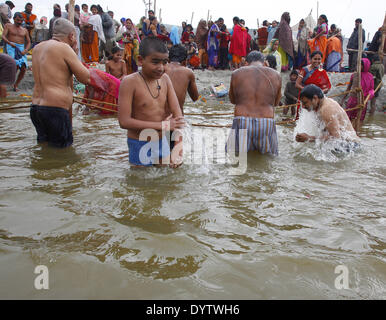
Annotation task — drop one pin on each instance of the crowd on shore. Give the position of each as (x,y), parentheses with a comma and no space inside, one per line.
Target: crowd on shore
(64,49)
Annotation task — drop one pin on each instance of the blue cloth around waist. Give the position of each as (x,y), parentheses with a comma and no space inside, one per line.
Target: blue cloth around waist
(259,135)
(14,54)
(147,153)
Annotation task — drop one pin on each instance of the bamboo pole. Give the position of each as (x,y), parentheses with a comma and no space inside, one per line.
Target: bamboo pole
(14,108)
(207,19)
(381,47)
(159,16)
(71,11)
(359,71)
(191,20)
(155,7)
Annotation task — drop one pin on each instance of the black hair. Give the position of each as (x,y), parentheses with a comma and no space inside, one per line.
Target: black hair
(28,4)
(150,45)
(242,20)
(152,18)
(178,53)
(84,5)
(271,61)
(333,26)
(358,20)
(265,23)
(100,10)
(236,19)
(255,56)
(115,50)
(294,72)
(189,26)
(324,17)
(316,53)
(223,28)
(110,12)
(152,11)
(18,15)
(77,7)
(310,91)
(94,6)
(10,4)
(220,19)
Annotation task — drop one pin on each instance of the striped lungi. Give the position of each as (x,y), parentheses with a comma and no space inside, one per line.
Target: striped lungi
(258,134)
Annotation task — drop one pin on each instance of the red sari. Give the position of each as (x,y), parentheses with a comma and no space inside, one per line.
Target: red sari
(104,88)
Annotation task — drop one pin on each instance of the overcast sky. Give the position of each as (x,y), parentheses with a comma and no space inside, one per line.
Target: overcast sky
(342,12)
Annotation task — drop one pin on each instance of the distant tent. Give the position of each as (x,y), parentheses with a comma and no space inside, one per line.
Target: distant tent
(310,21)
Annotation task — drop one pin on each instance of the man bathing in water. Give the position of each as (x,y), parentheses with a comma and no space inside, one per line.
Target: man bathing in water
(143,99)
(255,90)
(336,123)
(182,78)
(17,43)
(54,62)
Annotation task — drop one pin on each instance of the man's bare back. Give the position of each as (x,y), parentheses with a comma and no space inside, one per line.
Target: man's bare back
(53,65)
(255,90)
(183,81)
(338,124)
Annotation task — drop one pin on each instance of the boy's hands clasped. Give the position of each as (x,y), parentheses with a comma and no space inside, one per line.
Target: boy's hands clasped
(170,123)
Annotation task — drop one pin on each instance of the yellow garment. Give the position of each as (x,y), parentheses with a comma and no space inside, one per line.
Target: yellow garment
(284,58)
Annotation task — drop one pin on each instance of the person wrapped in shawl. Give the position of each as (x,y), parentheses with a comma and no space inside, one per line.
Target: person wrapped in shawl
(201,41)
(272,49)
(238,47)
(102,87)
(91,34)
(286,44)
(302,37)
(174,36)
(313,74)
(319,42)
(131,43)
(367,85)
(214,43)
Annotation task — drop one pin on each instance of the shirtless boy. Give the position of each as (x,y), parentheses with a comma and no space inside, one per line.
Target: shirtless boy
(182,78)
(143,99)
(116,66)
(331,114)
(17,39)
(255,90)
(54,62)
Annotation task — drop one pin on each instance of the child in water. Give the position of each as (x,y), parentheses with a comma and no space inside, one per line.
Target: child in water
(116,66)
(144,98)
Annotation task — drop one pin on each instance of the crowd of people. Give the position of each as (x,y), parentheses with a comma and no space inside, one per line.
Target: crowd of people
(63,49)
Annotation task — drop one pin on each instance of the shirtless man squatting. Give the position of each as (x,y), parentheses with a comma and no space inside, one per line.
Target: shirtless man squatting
(54,62)
(143,100)
(337,124)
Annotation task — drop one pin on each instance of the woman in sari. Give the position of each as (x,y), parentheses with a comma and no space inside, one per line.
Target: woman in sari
(367,85)
(201,41)
(286,44)
(319,42)
(131,42)
(213,46)
(313,74)
(302,37)
(92,33)
(272,49)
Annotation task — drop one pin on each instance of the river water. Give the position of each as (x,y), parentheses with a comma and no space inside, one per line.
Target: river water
(108,231)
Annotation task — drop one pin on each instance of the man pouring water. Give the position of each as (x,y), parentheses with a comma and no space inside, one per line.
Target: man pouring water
(333,119)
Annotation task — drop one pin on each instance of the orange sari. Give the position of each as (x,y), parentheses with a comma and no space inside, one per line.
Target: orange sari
(90,51)
(320,43)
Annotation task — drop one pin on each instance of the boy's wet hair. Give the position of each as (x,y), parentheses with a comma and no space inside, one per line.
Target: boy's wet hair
(150,45)
(178,53)
(115,50)
(272,61)
(310,91)
(255,56)
(18,15)
(294,73)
